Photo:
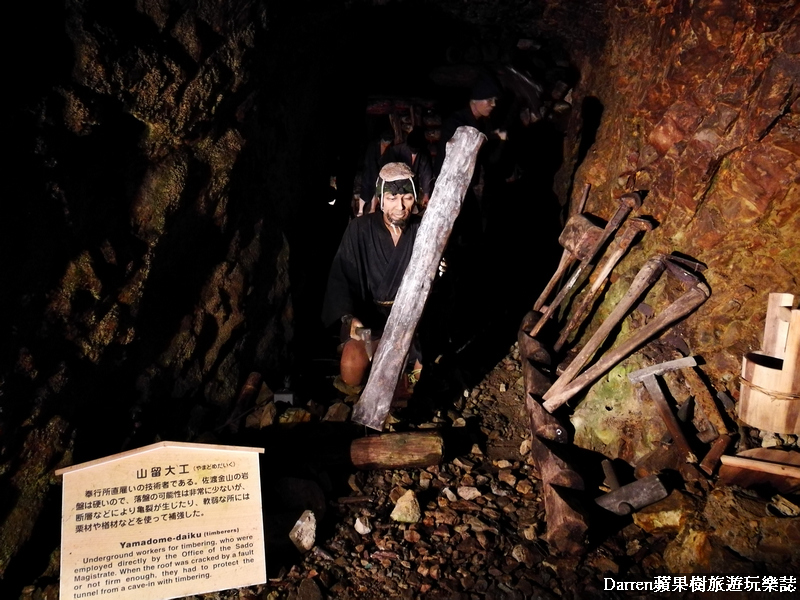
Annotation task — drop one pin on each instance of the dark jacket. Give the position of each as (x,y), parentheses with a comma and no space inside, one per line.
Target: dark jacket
(367,271)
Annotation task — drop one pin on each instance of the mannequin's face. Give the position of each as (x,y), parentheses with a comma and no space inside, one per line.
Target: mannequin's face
(397,208)
(483,108)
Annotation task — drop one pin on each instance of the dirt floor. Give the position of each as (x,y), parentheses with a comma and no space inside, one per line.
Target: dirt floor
(479,533)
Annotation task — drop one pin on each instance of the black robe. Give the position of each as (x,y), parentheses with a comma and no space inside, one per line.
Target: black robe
(367,271)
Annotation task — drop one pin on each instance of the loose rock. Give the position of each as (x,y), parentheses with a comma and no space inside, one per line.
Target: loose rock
(407,509)
(304,532)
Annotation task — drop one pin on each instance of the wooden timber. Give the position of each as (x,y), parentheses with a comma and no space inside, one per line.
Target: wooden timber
(397,451)
(435,229)
(566,522)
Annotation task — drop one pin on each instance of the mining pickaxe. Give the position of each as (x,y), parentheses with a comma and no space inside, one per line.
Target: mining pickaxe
(628,202)
(616,251)
(570,383)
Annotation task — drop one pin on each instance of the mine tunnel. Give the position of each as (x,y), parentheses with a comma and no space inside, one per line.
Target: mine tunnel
(181,175)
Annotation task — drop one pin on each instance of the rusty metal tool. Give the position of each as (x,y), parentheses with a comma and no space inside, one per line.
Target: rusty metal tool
(627,203)
(570,383)
(616,251)
(570,244)
(644,279)
(623,500)
(578,238)
(711,459)
(647,376)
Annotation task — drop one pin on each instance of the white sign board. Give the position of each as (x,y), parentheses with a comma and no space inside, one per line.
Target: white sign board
(164,521)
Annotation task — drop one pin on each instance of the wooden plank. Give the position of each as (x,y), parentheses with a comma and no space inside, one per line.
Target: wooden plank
(435,229)
(790,374)
(762,466)
(776,325)
(739,470)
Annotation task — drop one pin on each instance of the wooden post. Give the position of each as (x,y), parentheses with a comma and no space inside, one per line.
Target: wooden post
(437,223)
(566,522)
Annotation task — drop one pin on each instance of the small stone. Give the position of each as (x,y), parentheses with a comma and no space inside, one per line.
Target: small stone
(308,590)
(524,486)
(502,464)
(425,480)
(666,516)
(448,493)
(476,450)
(460,422)
(502,387)
(770,440)
(263,416)
(304,532)
(477,525)
(507,477)
(525,447)
(397,493)
(294,415)
(362,525)
(406,510)
(521,554)
(411,536)
(265,395)
(337,413)
(490,512)
(468,492)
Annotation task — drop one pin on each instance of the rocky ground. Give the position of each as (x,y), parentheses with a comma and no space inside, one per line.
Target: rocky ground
(472,527)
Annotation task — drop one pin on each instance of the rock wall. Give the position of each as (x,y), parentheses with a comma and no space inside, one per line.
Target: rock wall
(146,272)
(700,109)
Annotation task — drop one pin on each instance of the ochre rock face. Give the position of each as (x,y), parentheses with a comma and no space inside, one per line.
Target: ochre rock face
(701,111)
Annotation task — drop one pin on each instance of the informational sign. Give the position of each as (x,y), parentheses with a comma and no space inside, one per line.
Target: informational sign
(164,521)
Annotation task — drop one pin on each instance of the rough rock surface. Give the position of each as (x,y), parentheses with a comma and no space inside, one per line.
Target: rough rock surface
(699,107)
(138,273)
(148,273)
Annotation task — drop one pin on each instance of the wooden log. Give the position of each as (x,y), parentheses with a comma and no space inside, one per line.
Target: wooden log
(566,522)
(711,460)
(704,399)
(435,229)
(397,451)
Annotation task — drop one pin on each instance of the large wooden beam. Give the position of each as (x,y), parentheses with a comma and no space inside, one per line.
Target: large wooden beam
(566,521)
(437,223)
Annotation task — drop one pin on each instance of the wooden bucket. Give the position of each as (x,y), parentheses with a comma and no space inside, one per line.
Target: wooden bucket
(761,404)
(770,392)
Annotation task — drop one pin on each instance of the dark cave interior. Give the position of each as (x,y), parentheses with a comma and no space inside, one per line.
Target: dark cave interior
(312,79)
(169,225)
